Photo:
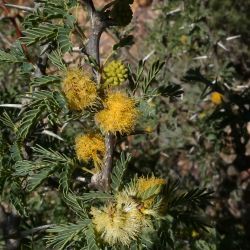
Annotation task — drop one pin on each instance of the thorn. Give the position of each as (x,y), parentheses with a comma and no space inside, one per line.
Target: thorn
(232,37)
(20,7)
(200,57)
(50,133)
(223,46)
(18,106)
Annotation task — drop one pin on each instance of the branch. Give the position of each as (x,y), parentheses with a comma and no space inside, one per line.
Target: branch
(102,180)
(90,6)
(99,22)
(98,25)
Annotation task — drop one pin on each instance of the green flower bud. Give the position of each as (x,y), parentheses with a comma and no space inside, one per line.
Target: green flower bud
(114,74)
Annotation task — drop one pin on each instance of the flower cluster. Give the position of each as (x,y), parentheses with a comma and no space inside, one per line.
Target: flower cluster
(79,89)
(90,147)
(124,219)
(118,223)
(119,113)
(114,74)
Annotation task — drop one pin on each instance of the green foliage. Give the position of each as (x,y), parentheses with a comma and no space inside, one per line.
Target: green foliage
(56,58)
(7,57)
(45,80)
(42,103)
(68,235)
(119,171)
(91,239)
(40,175)
(95,196)
(38,34)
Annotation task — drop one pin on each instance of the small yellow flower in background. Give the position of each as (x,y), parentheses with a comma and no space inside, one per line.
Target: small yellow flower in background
(195,234)
(79,89)
(202,115)
(184,39)
(90,147)
(119,113)
(119,223)
(216,98)
(114,74)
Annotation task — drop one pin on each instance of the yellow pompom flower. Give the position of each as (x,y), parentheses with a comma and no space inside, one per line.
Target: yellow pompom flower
(216,98)
(119,223)
(114,74)
(79,89)
(119,113)
(90,147)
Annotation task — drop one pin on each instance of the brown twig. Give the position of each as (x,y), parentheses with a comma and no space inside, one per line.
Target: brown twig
(97,27)
(98,24)
(101,180)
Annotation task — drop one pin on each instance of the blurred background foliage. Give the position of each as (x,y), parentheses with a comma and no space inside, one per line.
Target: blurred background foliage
(205,48)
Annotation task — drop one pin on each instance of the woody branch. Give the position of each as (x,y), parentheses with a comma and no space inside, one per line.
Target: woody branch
(99,22)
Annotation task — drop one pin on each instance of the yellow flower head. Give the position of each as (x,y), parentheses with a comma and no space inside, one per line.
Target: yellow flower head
(79,89)
(114,74)
(119,114)
(216,98)
(90,147)
(118,223)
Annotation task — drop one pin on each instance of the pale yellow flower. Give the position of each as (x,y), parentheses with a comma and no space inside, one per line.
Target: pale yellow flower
(119,223)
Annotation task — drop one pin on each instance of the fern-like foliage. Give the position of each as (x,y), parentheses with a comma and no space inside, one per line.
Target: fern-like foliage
(45,81)
(93,196)
(56,59)
(15,55)
(119,171)
(67,235)
(43,103)
(91,239)
(38,34)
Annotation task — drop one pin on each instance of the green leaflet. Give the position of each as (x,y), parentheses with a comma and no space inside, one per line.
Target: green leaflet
(45,81)
(38,34)
(119,171)
(64,236)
